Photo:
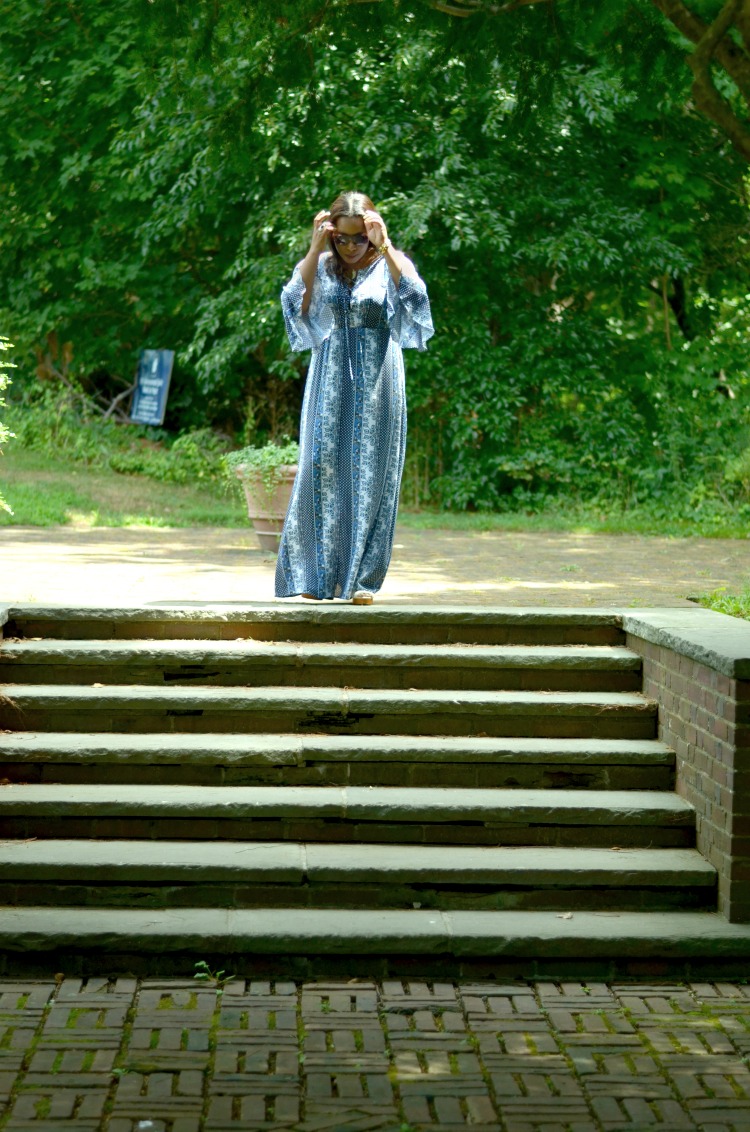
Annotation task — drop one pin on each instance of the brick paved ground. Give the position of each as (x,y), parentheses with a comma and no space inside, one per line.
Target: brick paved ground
(129,567)
(169,1055)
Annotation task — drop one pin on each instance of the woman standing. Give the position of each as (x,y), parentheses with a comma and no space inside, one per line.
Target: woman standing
(356,306)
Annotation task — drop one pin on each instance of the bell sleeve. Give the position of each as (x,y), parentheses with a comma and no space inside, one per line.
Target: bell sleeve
(309,330)
(409,315)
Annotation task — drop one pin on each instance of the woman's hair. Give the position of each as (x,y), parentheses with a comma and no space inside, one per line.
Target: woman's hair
(346,204)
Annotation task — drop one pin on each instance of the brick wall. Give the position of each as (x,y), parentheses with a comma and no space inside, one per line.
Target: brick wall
(705,716)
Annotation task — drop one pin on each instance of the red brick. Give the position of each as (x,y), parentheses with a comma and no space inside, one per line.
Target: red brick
(740,870)
(726,798)
(725,685)
(715,705)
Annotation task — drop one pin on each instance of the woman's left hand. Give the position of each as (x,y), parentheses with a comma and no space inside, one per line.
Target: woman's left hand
(375,228)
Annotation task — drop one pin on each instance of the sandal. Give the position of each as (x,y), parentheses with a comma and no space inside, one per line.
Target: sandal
(362,597)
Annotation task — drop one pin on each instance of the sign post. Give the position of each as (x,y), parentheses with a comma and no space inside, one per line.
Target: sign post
(151,387)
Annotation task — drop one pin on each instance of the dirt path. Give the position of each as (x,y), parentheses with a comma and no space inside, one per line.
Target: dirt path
(132,567)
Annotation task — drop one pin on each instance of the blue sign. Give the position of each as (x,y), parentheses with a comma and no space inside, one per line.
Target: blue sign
(152,386)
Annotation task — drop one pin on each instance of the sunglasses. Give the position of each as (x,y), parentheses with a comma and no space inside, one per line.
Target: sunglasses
(341,240)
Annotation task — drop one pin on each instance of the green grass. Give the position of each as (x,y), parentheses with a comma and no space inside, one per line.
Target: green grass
(48,491)
(578,518)
(736,605)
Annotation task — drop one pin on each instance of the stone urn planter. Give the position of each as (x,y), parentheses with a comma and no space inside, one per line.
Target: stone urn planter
(267,476)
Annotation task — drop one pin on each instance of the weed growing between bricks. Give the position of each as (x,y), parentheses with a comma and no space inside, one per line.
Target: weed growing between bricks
(173,1055)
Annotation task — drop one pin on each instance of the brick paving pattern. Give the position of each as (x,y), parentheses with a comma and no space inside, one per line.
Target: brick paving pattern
(519,568)
(176,1055)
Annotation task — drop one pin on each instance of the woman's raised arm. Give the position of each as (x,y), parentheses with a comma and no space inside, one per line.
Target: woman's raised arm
(309,266)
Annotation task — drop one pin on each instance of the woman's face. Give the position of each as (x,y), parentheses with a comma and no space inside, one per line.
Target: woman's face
(351,239)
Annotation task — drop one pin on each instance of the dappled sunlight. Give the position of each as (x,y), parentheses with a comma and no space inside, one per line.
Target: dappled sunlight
(137,565)
(434,585)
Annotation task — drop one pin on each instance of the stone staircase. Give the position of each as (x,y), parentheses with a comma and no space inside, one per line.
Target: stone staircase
(334,788)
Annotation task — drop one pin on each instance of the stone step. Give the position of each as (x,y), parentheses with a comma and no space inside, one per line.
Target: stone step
(143,708)
(301,942)
(613,818)
(287,874)
(306,621)
(372,760)
(289,664)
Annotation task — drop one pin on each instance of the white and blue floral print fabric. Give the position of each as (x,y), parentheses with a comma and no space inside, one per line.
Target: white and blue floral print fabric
(338,533)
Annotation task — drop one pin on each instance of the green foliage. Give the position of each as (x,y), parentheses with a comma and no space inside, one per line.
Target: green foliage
(264,463)
(61,420)
(5,433)
(205,974)
(583,233)
(269,457)
(737,475)
(673,518)
(736,605)
(50,490)
(192,458)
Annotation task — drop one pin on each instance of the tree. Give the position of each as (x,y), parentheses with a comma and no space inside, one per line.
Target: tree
(719,33)
(5,433)
(584,233)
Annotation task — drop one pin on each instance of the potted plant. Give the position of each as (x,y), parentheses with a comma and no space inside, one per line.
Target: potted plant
(266,475)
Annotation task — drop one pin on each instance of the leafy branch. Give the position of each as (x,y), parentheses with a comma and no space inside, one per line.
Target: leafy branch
(5,433)
(714,44)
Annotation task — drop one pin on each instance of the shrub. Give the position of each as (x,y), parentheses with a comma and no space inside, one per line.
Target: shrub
(5,433)
(266,460)
(54,419)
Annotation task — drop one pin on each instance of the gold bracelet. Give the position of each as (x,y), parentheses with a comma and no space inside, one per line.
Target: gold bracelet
(385,246)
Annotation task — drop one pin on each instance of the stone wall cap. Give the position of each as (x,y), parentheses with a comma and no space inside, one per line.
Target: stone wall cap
(715,639)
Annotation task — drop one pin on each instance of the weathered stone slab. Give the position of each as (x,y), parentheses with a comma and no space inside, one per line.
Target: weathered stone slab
(598,934)
(429,748)
(522,865)
(147,708)
(287,863)
(441,622)
(51,651)
(123,862)
(230,750)
(355,804)
(161,748)
(289,932)
(342,700)
(258,663)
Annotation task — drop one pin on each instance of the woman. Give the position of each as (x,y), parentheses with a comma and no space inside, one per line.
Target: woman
(355,301)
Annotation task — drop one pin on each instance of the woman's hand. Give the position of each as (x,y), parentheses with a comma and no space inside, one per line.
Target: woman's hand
(322,228)
(375,228)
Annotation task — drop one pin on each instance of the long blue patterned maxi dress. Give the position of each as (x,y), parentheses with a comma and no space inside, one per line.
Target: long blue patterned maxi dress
(338,533)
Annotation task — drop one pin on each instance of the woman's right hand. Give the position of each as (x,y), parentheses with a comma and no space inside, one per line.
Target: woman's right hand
(322,228)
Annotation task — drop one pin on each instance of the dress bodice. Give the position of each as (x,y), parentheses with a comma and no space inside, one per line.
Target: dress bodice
(362,304)
(372,302)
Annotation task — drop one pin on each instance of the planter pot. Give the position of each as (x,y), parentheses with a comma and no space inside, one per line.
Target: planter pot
(266,507)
